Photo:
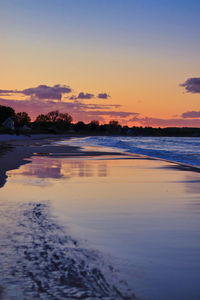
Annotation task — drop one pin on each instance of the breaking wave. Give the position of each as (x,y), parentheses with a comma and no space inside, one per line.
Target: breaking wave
(177,149)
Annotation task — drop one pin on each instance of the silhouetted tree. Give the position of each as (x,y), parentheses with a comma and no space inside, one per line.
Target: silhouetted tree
(114,123)
(65,118)
(41,122)
(53,116)
(53,120)
(6,112)
(114,127)
(80,126)
(21,119)
(125,130)
(93,125)
(42,119)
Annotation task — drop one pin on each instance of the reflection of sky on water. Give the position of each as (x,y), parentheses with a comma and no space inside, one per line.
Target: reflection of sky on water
(46,168)
(50,168)
(192,183)
(136,210)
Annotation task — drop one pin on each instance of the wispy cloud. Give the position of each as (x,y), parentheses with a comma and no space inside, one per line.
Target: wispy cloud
(8,91)
(120,114)
(78,109)
(103,112)
(192,85)
(191,114)
(159,122)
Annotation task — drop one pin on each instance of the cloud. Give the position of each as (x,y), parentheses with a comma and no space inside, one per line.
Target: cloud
(158,122)
(191,114)
(78,109)
(103,112)
(72,97)
(82,95)
(42,91)
(103,96)
(7,91)
(54,92)
(192,85)
(47,92)
(121,114)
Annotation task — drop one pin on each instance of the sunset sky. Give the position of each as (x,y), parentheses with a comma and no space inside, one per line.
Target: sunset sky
(135,61)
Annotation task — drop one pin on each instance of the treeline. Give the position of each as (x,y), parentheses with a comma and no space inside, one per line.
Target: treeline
(56,122)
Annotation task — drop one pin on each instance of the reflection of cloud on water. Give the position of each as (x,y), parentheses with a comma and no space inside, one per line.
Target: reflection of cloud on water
(46,169)
(192,187)
(102,170)
(85,168)
(192,183)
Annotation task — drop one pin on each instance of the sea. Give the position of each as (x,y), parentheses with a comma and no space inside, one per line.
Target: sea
(185,150)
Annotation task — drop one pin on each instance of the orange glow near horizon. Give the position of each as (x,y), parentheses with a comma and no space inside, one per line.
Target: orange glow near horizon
(140,65)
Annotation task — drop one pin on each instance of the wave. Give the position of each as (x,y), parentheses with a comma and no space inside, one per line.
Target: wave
(177,149)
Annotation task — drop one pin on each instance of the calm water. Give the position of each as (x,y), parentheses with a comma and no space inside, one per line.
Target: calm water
(135,216)
(177,149)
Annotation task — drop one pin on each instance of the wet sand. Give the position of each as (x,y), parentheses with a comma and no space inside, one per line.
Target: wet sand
(14,153)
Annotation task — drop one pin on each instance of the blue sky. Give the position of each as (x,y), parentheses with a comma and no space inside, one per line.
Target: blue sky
(138,51)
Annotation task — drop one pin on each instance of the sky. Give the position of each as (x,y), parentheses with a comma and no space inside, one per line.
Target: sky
(135,61)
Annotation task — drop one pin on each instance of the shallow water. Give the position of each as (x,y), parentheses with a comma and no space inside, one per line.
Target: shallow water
(178,149)
(136,216)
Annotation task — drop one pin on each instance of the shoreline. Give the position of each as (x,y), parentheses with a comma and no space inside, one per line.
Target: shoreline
(16,152)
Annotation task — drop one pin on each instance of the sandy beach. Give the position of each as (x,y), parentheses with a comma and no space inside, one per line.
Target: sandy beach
(80,224)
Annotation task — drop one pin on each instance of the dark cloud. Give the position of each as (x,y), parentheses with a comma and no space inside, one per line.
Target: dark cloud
(42,91)
(192,85)
(82,95)
(47,92)
(103,96)
(52,93)
(191,114)
(72,97)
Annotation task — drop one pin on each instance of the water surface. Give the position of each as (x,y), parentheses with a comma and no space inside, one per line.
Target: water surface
(141,217)
(178,149)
